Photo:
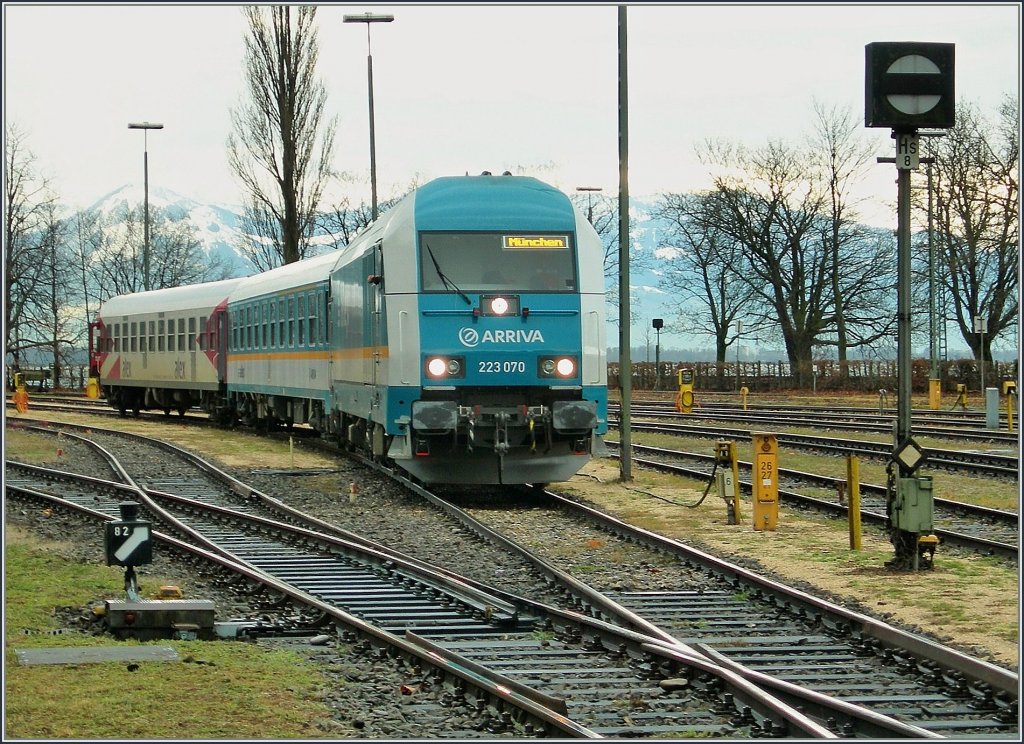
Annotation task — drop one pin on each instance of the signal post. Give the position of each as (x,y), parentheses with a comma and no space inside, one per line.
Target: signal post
(908,85)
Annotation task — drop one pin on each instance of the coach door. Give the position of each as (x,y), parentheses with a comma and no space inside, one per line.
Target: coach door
(376,303)
(219,342)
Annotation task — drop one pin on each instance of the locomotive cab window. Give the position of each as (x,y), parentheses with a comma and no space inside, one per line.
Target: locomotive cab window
(489,262)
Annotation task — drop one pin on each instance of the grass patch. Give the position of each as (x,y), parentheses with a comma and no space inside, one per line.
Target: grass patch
(240,691)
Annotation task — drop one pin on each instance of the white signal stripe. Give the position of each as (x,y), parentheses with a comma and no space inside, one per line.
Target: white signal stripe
(139,536)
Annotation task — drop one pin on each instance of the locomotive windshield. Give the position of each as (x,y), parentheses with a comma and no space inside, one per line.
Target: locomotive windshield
(490,262)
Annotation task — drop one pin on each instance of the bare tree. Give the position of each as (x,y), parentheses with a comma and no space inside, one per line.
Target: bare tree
(704,268)
(52,318)
(977,221)
(280,149)
(28,201)
(176,255)
(843,156)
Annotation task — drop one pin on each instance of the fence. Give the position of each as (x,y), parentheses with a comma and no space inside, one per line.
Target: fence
(859,376)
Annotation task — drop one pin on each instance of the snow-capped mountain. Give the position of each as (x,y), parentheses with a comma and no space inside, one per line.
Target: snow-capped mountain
(217,226)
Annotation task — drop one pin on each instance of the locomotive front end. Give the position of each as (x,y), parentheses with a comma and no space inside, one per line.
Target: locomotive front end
(513,385)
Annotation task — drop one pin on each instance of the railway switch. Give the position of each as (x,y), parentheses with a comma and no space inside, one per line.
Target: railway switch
(728,478)
(766,480)
(684,401)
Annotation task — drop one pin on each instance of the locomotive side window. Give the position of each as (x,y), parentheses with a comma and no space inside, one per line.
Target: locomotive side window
(488,262)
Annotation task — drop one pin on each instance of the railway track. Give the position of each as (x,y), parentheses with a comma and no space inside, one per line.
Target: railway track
(607,668)
(941,675)
(987,464)
(968,526)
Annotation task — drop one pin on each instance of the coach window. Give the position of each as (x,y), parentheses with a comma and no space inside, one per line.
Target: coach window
(170,334)
(273,324)
(160,335)
(264,325)
(151,336)
(301,320)
(280,324)
(181,334)
(191,334)
(291,322)
(311,303)
(132,336)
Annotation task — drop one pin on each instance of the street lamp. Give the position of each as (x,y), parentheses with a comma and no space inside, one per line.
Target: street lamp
(657,324)
(590,204)
(144,126)
(369,18)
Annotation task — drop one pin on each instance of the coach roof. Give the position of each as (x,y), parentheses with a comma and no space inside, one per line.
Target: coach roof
(171,300)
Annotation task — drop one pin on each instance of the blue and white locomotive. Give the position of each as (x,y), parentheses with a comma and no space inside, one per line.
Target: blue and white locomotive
(461,336)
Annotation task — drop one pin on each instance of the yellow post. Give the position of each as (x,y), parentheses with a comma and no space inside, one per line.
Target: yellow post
(961,396)
(744,392)
(1010,391)
(92,388)
(934,394)
(853,488)
(766,480)
(684,401)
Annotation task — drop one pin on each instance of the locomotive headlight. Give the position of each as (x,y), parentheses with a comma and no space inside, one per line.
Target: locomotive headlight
(499,306)
(566,367)
(445,368)
(560,367)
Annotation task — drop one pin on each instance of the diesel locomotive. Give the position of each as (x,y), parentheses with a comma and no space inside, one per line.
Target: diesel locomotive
(459,336)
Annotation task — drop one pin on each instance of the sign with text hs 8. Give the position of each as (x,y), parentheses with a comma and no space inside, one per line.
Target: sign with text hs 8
(128,541)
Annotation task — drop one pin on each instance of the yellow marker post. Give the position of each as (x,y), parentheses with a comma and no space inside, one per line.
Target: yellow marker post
(1010,391)
(853,503)
(744,392)
(684,400)
(92,388)
(961,396)
(934,394)
(766,480)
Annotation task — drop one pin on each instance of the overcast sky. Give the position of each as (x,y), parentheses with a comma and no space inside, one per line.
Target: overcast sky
(469,88)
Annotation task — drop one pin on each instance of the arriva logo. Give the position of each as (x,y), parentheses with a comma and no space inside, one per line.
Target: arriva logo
(470,337)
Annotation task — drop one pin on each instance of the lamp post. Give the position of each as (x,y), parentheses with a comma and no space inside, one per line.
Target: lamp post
(590,204)
(144,126)
(369,18)
(657,324)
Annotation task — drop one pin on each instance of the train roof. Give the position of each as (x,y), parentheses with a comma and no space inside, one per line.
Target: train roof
(493,203)
(173,299)
(288,277)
